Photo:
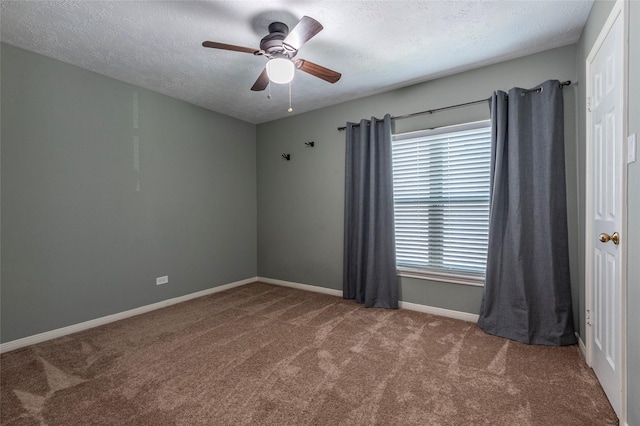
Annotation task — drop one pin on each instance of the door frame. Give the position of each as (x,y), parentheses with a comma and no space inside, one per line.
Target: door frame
(619,11)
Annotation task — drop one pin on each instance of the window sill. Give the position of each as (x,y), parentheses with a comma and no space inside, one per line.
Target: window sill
(443,277)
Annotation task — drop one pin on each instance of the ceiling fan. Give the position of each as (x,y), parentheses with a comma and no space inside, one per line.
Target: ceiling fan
(280,46)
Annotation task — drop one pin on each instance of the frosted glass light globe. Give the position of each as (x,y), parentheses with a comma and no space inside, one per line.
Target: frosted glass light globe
(280,70)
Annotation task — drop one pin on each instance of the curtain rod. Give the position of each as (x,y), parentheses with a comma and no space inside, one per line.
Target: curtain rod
(431,111)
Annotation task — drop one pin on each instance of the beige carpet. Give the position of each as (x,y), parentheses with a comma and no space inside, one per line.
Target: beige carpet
(268,355)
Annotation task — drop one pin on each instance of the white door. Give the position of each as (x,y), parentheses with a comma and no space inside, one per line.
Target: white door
(606,79)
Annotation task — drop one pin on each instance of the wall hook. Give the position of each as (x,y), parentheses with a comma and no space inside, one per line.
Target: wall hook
(286,156)
(311,144)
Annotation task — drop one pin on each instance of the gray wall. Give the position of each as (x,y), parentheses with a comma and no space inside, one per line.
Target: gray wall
(84,233)
(300,202)
(597,18)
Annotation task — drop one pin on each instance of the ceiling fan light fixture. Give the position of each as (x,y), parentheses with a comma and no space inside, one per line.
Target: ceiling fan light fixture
(280,70)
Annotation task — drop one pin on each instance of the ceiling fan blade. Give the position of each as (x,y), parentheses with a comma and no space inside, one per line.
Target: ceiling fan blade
(318,71)
(223,46)
(303,31)
(262,82)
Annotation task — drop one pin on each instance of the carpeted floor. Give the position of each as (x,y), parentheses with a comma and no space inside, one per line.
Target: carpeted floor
(267,355)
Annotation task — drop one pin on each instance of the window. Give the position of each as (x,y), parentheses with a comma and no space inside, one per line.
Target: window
(441,202)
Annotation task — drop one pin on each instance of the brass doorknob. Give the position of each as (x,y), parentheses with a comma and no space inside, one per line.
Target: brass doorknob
(605,238)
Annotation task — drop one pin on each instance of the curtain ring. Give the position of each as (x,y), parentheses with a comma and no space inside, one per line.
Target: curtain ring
(538,90)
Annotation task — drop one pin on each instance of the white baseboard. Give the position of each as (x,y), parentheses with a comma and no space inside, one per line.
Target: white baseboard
(465,316)
(582,346)
(307,287)
(53,334)
(64,331)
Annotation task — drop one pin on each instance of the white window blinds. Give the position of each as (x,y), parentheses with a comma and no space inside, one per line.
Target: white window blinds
(441,199)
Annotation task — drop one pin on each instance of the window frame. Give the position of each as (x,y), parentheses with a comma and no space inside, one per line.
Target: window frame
(455,277)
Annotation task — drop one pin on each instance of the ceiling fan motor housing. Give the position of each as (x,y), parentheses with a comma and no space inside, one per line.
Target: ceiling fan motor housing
(272,44)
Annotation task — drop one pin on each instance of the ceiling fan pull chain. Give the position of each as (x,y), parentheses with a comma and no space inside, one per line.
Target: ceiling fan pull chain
(290,109)
(269,88)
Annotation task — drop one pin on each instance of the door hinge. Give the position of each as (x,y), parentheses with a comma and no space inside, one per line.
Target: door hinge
(589,103)
(588,319)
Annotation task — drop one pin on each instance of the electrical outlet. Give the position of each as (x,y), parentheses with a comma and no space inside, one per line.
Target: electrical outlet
(162,280)
(631,148)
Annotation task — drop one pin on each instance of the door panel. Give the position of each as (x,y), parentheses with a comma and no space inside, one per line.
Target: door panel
(606,136)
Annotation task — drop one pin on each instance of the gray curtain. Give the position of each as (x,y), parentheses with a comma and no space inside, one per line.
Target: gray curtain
(527,292)
(369,241)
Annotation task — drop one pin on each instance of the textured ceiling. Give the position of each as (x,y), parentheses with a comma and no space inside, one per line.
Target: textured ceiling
(376,45)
